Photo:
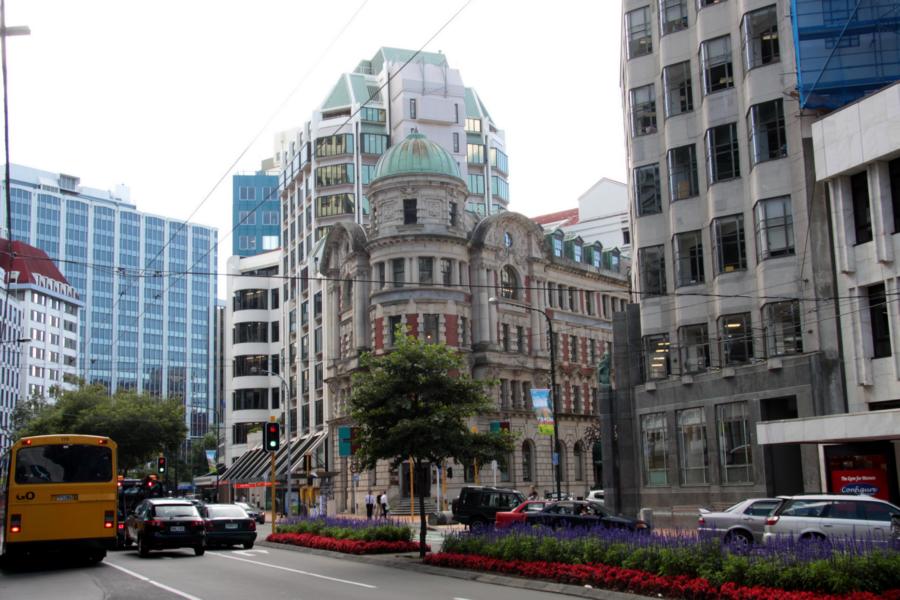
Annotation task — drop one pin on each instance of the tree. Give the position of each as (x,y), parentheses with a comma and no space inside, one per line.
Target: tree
(141,425)
(415,403)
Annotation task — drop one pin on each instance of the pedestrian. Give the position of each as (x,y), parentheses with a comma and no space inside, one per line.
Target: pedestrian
(533,494)
(384,504)
(370,505)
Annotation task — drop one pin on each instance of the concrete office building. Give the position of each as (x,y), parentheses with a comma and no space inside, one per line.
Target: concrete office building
(10,357)
(147,283)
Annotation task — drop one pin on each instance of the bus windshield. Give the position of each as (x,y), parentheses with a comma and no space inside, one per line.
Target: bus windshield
(70,463)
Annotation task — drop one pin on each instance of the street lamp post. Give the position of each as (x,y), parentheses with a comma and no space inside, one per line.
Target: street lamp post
(287,436)
(557,467)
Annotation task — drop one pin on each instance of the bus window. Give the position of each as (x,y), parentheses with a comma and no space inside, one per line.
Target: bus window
(74,463)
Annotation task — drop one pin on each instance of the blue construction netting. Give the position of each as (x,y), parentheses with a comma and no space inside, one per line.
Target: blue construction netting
(845,49)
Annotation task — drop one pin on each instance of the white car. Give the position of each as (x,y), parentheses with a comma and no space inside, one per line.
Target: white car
(596,496)
(831,516)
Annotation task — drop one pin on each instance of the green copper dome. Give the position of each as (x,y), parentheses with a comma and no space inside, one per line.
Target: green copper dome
(416,154)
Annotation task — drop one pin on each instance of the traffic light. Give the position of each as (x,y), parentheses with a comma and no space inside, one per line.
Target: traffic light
(161,465)
(272,437)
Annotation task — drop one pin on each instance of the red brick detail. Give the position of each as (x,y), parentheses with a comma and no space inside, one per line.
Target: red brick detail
(412,324)
(379,333)
(451,325)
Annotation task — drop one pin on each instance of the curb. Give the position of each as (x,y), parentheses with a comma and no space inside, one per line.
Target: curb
(410,562)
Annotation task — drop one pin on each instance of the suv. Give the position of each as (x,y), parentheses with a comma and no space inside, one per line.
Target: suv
(163,523)
(479,505)
(831,516)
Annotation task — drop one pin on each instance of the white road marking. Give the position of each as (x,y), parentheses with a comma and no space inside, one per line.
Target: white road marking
(256,562)
(150,581)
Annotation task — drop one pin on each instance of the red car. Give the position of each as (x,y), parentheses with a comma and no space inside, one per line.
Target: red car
(517,515)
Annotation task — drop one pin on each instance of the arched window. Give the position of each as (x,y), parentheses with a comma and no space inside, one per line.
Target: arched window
(578,457)
(527,460)
(509,283)
(561,465)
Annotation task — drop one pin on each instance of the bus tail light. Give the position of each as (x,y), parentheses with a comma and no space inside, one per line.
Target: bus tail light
(26,442)
(101,441)
(109,518)
(15,523)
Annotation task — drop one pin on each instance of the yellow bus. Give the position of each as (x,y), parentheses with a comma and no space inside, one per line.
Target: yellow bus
(58,493)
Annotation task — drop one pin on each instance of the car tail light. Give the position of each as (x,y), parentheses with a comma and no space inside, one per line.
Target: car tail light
(109,518)
(199,523)
(121,526)
(153,523)
(15,523)
(701,521)
(252,525)
(208,525)
(771,520)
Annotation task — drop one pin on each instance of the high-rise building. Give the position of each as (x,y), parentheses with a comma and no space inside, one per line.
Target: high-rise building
(148,285)
(732,271)
(255,209)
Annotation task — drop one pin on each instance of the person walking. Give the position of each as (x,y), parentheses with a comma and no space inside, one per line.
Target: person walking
(370,505)
(384,504)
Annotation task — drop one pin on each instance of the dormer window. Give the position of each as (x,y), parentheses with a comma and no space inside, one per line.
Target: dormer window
(557,247)
(595,258)
(410,211)
(576,250)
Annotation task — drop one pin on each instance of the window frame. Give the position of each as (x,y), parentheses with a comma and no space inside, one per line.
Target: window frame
(654,449)
(728,415)
(763,227)
(642,101)
(692,422)
(657,346)
(750,60)
(777,335)
(680,22)
(692,352)
(682,91)
(638,36)
(709,62)
(677,170)
(648,286)
(693,259)
(716,150)
(730,339)
(641,186)
(719,244)
(759,128)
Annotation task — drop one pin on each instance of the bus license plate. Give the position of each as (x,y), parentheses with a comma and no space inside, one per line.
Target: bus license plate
(177,528)
(65,497)
(231,525)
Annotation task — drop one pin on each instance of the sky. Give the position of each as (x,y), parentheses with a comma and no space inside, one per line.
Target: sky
(172,98)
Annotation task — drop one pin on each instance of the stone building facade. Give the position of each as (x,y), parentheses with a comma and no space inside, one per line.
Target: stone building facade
(478,285)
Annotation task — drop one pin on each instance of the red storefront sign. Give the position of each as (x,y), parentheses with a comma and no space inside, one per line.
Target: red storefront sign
(871,482)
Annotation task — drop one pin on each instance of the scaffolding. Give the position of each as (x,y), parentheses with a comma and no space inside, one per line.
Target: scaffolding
(845,49)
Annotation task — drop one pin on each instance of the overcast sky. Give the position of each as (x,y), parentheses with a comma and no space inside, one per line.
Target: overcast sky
(164,96)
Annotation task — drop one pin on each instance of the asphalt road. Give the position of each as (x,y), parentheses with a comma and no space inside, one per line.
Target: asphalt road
(257,574)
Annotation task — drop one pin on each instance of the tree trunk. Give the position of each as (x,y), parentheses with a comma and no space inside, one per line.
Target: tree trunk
(423,519)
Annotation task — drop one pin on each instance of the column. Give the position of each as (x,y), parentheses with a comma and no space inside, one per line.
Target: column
(361,291)
(882,212)
(842,213)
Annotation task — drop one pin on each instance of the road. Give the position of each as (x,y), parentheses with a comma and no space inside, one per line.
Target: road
(270,573)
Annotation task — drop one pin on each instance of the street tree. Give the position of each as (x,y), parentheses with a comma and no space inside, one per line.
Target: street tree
(414,403)
(141,425)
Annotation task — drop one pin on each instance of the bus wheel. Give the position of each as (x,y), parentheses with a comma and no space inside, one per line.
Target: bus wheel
(95,556)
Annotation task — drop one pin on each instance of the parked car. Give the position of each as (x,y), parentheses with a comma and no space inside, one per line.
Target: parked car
(164,523)
(596,496)
(831,516)
(228,524)
(742,524)
(517,515)
(257,514)
(581,513)
(479,505)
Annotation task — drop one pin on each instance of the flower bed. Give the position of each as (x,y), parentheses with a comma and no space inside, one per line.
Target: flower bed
(347,546)
(376,530)
(636,581)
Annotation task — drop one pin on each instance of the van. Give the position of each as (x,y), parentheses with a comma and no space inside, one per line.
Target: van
(479,505)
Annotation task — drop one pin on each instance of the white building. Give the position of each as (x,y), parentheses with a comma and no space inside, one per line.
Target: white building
(10,334)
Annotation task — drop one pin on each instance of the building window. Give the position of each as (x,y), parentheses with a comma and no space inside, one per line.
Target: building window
(446,272)
(643,110)
(334,175)
(656,350)
(399,271)
(653,445)
(894,175)
(592,350)
(476,184)
(426,270)
(463,332)
(862,216)
(455,142)
(767,135)
(736,338)
(453,213)
(334,145)
(672,16)
(878,317)
(520,339)
(679,96)
(715,65)
(381,276)
(412,108)
(692,454)
(504,337)
(573,349)
(527,461)
(410,216)
(694,348)
(639,32)
(578,457)
(783,332)
(473,125)
(646,189)
(760,37)
(705,3)
(722,157)
(626,237)
(557,247)
(735,455)
(682,163)
(393,325)
(652,263)
(688,250)
(432,329)
(509,283)
(774,228)
(728,244)
(475,154)
(373,143)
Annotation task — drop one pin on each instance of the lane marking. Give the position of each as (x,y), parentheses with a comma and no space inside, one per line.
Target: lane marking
(150,581)
(298,571)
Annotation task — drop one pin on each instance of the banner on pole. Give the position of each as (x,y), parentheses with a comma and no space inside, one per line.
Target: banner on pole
(540,400)
(211,460)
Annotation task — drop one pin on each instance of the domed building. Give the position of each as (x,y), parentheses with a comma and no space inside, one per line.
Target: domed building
(426,263)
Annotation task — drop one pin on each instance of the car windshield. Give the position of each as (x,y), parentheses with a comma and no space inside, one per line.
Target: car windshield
(226,512)
(172,511)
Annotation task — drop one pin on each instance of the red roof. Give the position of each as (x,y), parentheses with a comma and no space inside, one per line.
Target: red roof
(28,261)
(562,218)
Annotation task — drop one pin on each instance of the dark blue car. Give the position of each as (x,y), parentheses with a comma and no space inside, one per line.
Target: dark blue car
(578,513)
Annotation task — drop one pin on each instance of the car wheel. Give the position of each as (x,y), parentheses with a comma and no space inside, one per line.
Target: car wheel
(739,539)
(248,545)
(143,547)
(199,550)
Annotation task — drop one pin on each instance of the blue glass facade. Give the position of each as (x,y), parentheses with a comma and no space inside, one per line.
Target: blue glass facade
(149,308)
(255,214)
(845,49)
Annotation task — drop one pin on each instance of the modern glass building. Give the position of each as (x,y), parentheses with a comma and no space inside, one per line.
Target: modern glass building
(149,309)
(254,214)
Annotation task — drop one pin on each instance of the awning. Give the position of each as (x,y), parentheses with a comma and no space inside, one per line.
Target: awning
(256,465)
(240,466)
(830,429)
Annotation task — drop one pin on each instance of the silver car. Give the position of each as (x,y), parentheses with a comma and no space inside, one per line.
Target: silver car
(832,516)
(741,524)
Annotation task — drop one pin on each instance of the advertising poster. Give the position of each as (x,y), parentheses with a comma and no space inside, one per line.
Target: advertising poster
(871,482)
(211,460)
(540,400)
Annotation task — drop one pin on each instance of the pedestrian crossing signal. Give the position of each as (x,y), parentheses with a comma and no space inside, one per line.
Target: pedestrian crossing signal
(272,438)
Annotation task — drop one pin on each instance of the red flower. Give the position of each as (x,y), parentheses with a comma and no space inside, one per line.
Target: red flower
(309,540)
